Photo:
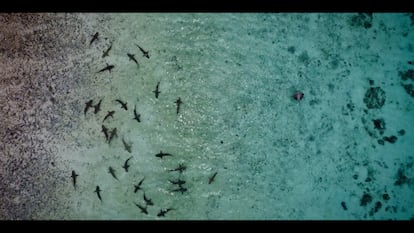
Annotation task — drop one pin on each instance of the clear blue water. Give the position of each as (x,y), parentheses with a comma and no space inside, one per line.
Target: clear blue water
(345,151)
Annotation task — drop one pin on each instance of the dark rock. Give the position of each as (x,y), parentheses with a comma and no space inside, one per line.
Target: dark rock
(385,196)
(291,49)
(378,206)
(362,20)
(379,123)
(367,24)
(409,88)
(355,176)
(331,87)
(412,19)
(374,97)
(371,212)
(391,139)
(391,209)
(409,74)
(314,102)
(365,199)
(334,63)
(304,58)
(401,178)
(380,141)
(343,204)
(401,132)
(350,106)
(371,82)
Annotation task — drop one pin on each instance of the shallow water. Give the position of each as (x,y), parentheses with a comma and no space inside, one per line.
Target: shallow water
(343,152)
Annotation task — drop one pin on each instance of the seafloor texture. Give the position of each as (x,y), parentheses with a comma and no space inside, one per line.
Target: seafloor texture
(191,116)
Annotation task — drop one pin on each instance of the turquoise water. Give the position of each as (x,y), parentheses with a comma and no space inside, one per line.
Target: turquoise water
(345,151)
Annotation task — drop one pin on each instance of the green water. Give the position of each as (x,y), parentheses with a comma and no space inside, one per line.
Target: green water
(275,157)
